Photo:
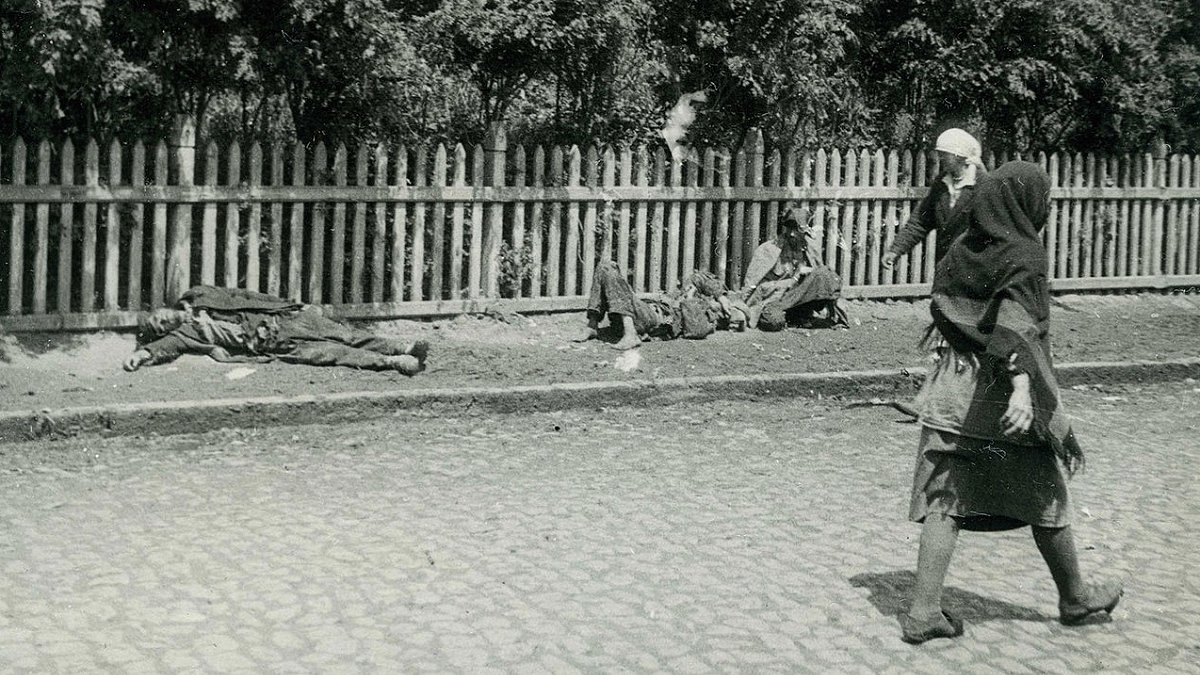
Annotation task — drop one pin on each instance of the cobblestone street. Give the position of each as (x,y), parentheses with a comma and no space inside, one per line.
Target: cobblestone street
(744,537)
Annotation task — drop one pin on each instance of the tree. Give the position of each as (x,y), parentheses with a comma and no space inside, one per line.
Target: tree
(780,65)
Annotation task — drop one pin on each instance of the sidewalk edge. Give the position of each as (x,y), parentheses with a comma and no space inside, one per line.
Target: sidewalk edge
(175,417)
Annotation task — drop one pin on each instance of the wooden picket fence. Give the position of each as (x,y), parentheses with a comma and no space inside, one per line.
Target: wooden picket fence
(383,232)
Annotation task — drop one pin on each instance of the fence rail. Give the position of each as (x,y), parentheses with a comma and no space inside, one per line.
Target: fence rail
(96,236)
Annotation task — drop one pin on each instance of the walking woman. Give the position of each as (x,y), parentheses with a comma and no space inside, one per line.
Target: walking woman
(996,450)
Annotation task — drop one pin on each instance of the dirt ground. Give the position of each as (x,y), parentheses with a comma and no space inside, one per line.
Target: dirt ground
(39,371)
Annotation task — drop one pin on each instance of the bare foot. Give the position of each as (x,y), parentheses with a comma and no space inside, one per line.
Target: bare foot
(588,334)
(405,364)
(628,342)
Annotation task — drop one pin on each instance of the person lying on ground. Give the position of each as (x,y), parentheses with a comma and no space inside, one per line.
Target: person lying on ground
(948,198)
(787,281)
(693,311)
(234,325)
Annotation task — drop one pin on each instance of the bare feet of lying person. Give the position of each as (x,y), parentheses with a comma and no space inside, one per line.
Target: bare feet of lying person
(628,341)
(405,364)
(588,333)
(420,351)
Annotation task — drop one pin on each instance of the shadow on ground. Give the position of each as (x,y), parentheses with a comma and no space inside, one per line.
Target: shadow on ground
(890,593)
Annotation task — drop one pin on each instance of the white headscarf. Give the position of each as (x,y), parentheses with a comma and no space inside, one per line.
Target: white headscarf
(959,142)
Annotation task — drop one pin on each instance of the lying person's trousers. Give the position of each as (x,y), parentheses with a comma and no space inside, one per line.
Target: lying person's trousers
(310,338)
(611,293)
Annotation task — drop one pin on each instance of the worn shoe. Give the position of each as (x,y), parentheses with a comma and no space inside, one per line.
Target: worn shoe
(406,364)
(420,350)
(1097,605)
(917,631)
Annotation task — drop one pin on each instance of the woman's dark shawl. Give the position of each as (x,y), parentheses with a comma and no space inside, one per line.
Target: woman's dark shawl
(990,295)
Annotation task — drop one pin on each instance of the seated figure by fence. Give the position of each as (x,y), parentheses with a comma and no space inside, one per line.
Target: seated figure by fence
(787,282)
(233,325)
(694,310)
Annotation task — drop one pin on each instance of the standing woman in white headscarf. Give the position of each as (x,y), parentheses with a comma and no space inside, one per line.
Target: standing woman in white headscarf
(960,157)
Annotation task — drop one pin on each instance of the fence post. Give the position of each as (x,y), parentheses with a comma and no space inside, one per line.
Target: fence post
(496,146)
(179,259)
(1160,181)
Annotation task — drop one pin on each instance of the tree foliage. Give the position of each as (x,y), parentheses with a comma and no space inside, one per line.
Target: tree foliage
(1072,74)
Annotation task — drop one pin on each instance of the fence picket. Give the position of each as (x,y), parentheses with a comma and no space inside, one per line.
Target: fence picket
(275,236)
(656,227)
(875,233)
(254,226)
(358,229)
(890,225)
(1111,173)
(1146,213)
(1091,253)
(416,277)
(337,240)
(624,218)
(1125,229)
(456,228)
(1171,221)
(588,233)
(608,178)
(775,178)
(555,226)
(1193,246)
(674,221)
(399,231)
(929,248)
(379,243)
(821,212)
(846,233)
(112,234)
(834,226)
(691,164)
(437,228)
(517,246)
(737,228)
(41,253)
(720,245)
(137,231)
(233,177)
(1158,225)
(1075,226)
(537,226)
(16,241)
(316,231)
(295,233)
(208,222)
(859,243)
(1053,222)
(66,239)
(705,246)
(753,231)
(158,246)
(574,226)
(476,262)
(497,140)
(640,223)
(87,277)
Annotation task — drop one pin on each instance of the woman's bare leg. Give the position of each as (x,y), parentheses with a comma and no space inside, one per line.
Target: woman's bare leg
(939,535)
(1057,546)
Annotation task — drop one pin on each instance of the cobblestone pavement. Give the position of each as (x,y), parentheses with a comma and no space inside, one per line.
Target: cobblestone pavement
(748,537)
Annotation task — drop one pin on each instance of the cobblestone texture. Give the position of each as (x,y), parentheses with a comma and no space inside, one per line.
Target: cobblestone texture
(743,537)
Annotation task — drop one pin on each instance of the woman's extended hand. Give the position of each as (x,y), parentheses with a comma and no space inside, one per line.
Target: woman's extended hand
(1019,416)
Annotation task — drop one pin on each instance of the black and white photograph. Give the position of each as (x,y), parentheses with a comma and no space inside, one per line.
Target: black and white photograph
(599,336)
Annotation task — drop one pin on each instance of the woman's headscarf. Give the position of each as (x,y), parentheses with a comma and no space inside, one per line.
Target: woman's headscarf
(990,294)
